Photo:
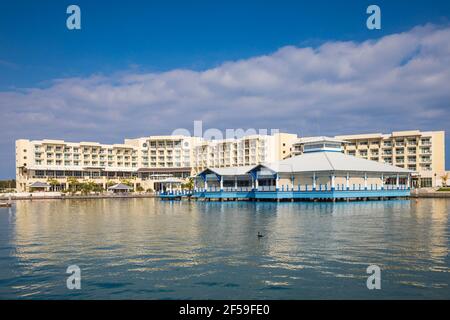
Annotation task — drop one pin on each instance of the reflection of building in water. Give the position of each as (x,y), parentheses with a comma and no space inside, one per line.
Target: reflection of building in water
(55,232)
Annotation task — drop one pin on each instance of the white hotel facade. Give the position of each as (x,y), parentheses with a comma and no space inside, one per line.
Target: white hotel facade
(147,161)
(143,161)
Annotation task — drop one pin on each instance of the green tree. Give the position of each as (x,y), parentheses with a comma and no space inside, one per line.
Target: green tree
(74,184)
(127,182)
(444,179)
(53,183)
(189,185)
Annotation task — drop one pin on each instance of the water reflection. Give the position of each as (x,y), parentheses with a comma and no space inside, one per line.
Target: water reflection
(146,248)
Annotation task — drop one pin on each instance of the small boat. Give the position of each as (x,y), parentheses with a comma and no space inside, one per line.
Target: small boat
(5,204)
(260,235)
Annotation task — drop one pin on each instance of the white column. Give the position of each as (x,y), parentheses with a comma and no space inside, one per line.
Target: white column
(235,183)
(206,184)
(256,184)
(409,180)
(333,178)
(292,182)
(347,181)
(314,181)
(277,182)
(382,181)
(397,181)
(195,184)
(365,180)
(221,183)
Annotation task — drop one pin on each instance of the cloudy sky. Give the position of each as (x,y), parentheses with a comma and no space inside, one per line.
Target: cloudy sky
(161,71)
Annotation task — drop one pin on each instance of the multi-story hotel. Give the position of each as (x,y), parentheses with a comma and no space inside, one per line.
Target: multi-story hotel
(142,161)
(421,152)
(149,160)
(245,151)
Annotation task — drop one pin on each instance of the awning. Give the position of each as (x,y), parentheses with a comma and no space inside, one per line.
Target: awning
(39,184)
(120,186)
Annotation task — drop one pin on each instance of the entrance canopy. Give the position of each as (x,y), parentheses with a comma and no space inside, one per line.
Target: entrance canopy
(120,187)
(40,185)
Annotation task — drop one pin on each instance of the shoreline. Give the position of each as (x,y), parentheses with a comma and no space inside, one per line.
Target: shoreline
(79,197)
(416,194)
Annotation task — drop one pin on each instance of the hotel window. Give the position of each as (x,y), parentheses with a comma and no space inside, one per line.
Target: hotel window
(40,173)
(85,150)
(75,150)
(38,162)
(76,163)
(67,163)
(426,141)
(426,182)
(58,162)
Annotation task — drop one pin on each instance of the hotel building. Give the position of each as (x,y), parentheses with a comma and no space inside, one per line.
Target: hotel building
(143,161)
(245,151)
(418,151)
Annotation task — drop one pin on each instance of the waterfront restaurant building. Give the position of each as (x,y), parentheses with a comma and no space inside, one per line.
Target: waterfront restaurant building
(323,171)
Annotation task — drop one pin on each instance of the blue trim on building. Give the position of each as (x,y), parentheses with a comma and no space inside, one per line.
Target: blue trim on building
(324,194)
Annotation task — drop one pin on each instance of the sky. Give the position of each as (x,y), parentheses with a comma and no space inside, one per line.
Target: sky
(139,68)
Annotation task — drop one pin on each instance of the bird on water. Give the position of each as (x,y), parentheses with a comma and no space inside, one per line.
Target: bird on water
(260,235)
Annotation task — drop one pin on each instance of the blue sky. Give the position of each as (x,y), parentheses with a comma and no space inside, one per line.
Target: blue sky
(246,64)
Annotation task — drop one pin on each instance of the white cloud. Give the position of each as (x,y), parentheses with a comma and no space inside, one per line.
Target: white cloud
(397,82)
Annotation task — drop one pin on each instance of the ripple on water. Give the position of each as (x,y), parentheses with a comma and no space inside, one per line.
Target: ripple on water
(144,248)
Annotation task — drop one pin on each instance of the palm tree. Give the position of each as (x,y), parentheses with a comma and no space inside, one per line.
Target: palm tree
(53,183)
(74,184)
(189,185)
(444,179)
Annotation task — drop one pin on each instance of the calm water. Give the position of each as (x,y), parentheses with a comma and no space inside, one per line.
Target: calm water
(148,249)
